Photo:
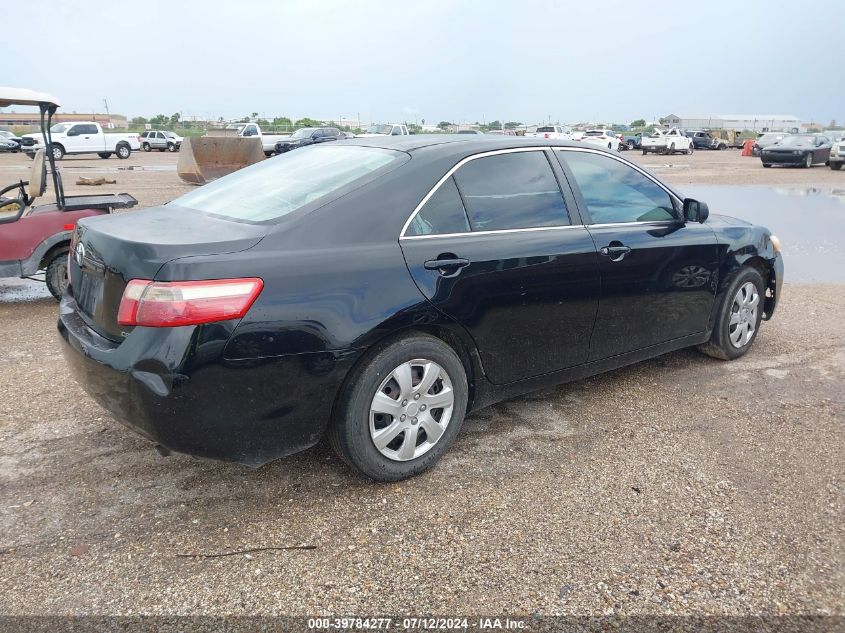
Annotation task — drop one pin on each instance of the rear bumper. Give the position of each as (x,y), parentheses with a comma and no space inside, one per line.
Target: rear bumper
(174,386)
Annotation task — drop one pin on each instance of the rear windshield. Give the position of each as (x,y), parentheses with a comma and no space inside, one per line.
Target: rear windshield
(280,185)
(545,129)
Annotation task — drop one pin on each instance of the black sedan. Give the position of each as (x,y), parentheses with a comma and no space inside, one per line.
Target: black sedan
(376,290)
(309,136)
(804,150)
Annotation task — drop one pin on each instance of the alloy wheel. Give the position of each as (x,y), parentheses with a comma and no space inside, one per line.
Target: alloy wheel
(743,321)
(808,160)
(411,410)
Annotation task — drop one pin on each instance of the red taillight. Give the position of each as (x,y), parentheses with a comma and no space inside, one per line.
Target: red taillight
(546,135)
(170,304)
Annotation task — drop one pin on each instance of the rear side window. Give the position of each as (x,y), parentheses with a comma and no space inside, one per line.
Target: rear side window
(511,191)
(274,188)
(615,192)
(442,213)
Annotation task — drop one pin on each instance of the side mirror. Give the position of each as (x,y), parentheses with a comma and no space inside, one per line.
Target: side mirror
(695,211)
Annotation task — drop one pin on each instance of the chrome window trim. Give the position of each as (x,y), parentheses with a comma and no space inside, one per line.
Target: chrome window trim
(494,232)
(511,150)
(456,167)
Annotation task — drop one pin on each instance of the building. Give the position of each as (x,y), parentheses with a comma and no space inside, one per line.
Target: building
(738,122)
(32,120)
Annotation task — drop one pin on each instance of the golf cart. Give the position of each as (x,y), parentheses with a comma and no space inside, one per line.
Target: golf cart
(34,238)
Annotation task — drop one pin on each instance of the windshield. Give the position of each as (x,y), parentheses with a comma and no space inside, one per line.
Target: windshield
(800,141)
(302,132)
(274,188)
(380,129)
(59,128)
(169,134)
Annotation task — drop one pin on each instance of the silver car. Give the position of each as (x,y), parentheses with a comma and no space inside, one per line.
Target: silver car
(162,140)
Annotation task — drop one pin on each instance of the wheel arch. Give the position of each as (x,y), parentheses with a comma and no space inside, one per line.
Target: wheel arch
(458,341)
(53,250)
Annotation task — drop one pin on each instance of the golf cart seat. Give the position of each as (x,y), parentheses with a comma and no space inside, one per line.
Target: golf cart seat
(38,176)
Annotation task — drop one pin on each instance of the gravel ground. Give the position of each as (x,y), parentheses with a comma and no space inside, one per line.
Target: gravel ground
(682,485)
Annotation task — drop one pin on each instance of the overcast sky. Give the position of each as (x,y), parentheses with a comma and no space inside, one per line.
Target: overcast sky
(526,60)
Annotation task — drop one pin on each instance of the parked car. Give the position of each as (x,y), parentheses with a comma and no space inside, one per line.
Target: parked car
(632,141)
(701,139)
(162,140)
(378,290)
(308,136)
(10,141)
(767,139)
(666,142)
(804,150)
(83,137)
(557,132)
(470,132)
(385,129)
(502,132)
(606,139)
(837,154)
(253,130)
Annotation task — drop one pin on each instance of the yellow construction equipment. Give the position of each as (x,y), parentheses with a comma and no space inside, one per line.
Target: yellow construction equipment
(205,158)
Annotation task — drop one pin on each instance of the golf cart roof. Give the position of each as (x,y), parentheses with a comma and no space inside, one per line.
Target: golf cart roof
(25,96)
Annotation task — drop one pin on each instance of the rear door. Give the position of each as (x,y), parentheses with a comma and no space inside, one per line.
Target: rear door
(501,250)
(658,273)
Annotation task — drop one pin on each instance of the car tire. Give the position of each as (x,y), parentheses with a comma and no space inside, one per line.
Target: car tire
(835,166)
(689,151)
(357,422)
(722,147)
(808,160)
(171,147)
(671,149)
(644,152)
(123,151)
(739,317)
(58,151)
(56,274)
(104,155)
(631,145)
(146,147)
(767,164)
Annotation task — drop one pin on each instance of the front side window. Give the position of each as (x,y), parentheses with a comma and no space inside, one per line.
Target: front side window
(615,192)
(442,213)
(274,188)
(511,191)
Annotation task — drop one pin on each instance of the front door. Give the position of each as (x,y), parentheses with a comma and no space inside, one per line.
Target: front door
(658,273)
(501,251)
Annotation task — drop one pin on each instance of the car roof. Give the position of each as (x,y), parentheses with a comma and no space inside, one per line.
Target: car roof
(455,143)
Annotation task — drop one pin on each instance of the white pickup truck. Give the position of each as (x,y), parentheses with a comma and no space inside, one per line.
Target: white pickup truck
(268,141)
(552,131)
(82,137)
(385,129)
(663,142)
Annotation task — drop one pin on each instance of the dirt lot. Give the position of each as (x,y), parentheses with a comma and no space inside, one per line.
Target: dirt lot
(680,485)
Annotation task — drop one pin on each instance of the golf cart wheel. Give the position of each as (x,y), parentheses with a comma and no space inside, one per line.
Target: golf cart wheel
(123,151)
(56,276)
(146,147)
(104,155)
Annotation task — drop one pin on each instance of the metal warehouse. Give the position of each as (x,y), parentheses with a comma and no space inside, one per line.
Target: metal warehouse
(739,122)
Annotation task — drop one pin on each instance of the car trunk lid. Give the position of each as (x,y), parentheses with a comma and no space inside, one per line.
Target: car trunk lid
(109,251)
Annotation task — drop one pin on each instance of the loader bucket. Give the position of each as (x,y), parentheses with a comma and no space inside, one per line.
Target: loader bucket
(205,158)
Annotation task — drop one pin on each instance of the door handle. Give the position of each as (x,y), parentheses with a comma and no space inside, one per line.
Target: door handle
(447,266)
(616,251)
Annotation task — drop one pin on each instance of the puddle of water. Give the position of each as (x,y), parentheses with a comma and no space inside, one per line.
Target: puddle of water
(810,222)
(22,290)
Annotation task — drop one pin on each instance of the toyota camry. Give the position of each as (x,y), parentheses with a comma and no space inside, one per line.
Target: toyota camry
(377,290)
